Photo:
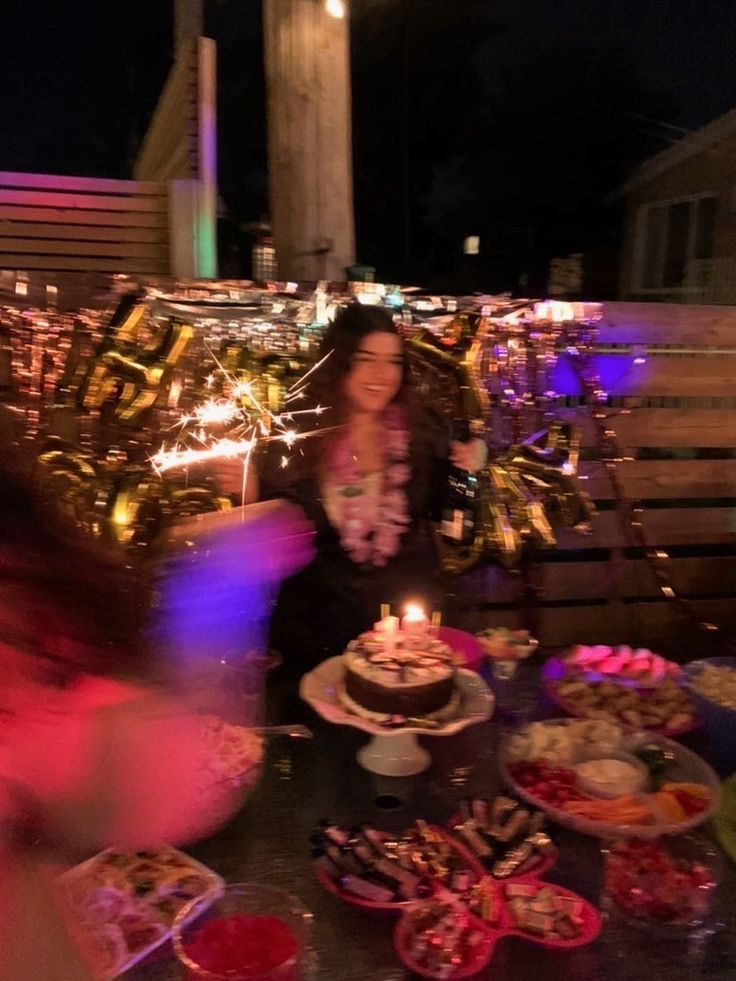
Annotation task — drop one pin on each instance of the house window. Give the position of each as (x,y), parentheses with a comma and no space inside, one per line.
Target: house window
(672,234)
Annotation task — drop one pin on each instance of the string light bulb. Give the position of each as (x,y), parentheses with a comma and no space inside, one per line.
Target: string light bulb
(335,8)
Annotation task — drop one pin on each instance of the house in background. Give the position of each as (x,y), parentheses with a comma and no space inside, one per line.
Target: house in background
(680,228)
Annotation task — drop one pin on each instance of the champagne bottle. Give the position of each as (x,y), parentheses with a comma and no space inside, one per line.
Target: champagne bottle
(459,501)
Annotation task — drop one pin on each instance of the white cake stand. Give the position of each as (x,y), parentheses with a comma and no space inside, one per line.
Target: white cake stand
(393,752)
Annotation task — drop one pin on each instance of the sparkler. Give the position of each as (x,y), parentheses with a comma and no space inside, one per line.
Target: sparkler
(249,422)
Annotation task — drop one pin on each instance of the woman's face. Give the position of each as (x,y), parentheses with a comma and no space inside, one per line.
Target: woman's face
(376,373)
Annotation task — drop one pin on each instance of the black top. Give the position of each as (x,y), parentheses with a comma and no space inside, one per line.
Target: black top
(334,599)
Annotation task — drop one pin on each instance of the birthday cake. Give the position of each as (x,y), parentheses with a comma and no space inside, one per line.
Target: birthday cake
(409,674)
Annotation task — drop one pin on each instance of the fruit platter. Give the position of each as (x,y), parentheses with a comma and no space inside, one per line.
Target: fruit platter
(446,938)
(120,906)
(621,684)
(609,780)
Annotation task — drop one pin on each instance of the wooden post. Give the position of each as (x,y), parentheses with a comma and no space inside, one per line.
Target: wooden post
(309,139)
(188,20)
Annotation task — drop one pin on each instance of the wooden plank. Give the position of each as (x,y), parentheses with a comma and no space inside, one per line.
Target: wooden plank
(80,233)
(168,130)
(674,428)
(176,162)
(206,135)
(644,479)
(489,584)
(36,246)
(16,261)
(88,185)
(632,623)
(672,376)
(82,202)
(70,216)
(474,620)
(642,624)
(667,323)
(673,526)
(631,578)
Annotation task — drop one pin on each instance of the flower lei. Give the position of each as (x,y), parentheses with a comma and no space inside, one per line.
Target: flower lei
(365,538)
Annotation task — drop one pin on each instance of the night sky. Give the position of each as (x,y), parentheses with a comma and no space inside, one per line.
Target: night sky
(79,81)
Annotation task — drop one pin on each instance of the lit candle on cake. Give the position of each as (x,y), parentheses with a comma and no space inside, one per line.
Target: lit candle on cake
(415,620)
(388,627)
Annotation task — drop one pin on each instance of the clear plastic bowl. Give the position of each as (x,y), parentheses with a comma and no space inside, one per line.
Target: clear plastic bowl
(718,720)
(636,890)
(247,900)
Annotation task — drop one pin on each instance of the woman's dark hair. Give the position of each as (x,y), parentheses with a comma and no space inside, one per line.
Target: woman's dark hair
(341,342)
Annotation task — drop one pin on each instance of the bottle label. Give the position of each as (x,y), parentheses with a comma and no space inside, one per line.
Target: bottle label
(452,524)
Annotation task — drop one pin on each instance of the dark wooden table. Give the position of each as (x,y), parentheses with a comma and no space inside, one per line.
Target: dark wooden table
(304,781)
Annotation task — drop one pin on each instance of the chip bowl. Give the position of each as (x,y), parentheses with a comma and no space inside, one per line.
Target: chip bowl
(718,720)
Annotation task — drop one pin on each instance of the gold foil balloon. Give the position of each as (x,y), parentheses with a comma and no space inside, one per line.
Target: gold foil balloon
(517,491)
(453,373)
(497,536)
(130,368)
(546,463)
(161,373)
(71,481)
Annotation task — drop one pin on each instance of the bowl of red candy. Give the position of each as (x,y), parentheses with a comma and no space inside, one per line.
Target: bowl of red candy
(668,882)
(247,932)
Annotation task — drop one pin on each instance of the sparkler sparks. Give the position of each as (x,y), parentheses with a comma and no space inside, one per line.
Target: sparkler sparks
(248,423)
(216,412)
(222,448)
(314,368)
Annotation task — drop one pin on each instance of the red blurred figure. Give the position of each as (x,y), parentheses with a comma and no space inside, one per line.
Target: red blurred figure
(90,755)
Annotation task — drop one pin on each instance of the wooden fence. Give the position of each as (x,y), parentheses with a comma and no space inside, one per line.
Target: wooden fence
(670,372)
(160,224)
(170,150)
(83,224)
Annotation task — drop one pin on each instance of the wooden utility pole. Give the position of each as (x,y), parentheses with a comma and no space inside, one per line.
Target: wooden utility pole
(307,60)
(188,21)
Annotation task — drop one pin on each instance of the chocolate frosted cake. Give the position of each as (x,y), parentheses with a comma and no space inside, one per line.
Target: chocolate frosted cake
(409,675)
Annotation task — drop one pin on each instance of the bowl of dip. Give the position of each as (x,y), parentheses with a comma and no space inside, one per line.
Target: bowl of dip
(609,773)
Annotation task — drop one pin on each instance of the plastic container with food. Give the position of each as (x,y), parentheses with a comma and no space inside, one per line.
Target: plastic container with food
(712,686)
(667,884)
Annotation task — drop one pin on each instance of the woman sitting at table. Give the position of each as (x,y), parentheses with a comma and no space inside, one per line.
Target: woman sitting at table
(368,482)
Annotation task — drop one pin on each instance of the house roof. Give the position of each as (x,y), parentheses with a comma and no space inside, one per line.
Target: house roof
(693,144)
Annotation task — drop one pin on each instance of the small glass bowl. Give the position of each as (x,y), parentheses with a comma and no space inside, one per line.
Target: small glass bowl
(636,888)
(251,900)
(504,648)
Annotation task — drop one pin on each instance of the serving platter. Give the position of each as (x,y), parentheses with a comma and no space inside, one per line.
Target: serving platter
(681,766)
(120,906)
(640,694)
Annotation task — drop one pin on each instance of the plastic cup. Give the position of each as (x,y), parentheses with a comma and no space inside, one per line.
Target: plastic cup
(263,904)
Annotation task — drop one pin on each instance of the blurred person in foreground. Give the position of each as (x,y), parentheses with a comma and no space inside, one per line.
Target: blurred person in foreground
(368,482)
(94,751)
